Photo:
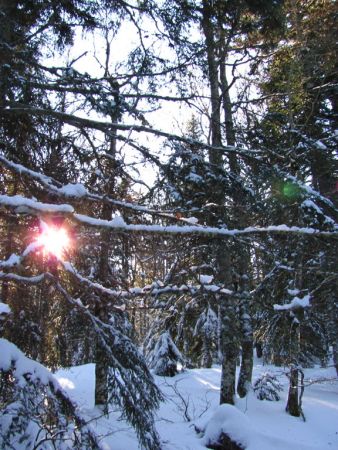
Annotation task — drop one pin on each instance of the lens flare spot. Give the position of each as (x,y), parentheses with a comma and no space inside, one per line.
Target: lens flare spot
(290,190)
(54,240)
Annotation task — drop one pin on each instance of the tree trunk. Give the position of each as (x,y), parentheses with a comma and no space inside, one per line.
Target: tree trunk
(101,363)
(206,351)
(335,354)
(241,259)
(245,374)
(259,349)
(215,156)
(229,354)
(101,378)
(228,346)
(102,367)
(292,406)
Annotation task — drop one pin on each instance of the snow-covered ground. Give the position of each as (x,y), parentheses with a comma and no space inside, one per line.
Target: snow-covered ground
(192,398)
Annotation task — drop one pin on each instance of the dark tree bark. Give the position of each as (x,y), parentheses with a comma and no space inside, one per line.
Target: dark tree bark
(228,377)
(225,443)
(215,157)
(228,347)
(102,367)
(245,374)
(292,406)
(259,349)
(206,351)
(335,354)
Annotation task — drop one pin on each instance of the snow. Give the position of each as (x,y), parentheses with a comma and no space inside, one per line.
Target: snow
(192,176)
(23,365)
(320,145)
(4,309)
(206,279)
(310,204)
(25,204)
(293,292)
(13,260)
(231,421)
(190,229)
(164,356)
(192,220)
(118,221)
(296,303)
(212,288)
(262,425)
(73,190)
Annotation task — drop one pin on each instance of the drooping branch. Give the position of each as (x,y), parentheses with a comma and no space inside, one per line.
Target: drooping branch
(78,191)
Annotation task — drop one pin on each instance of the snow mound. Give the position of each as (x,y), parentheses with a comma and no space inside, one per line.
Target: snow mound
(228,420)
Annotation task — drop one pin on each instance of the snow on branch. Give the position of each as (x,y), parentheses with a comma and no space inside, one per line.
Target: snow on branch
(305,188)
(136,399)
(25,205)
(30,398)
(22,279)
(193,229)
(155,289)
(22,170)
(78,190)
(16,260)
(11,355)
(296,303)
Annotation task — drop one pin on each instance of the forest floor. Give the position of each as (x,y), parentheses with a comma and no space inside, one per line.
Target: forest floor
(192,396)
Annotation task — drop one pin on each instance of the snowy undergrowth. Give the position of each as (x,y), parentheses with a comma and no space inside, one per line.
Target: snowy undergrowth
(192,399)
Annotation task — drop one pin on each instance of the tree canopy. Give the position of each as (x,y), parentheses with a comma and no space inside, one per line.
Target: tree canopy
(168,181)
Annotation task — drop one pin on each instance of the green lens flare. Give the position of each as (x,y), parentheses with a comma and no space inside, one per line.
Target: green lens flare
(290,190)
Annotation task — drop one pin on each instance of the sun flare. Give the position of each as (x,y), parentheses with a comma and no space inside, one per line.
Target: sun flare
(54,240)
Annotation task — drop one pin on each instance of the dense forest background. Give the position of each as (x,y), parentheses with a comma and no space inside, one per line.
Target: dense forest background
(188,148)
